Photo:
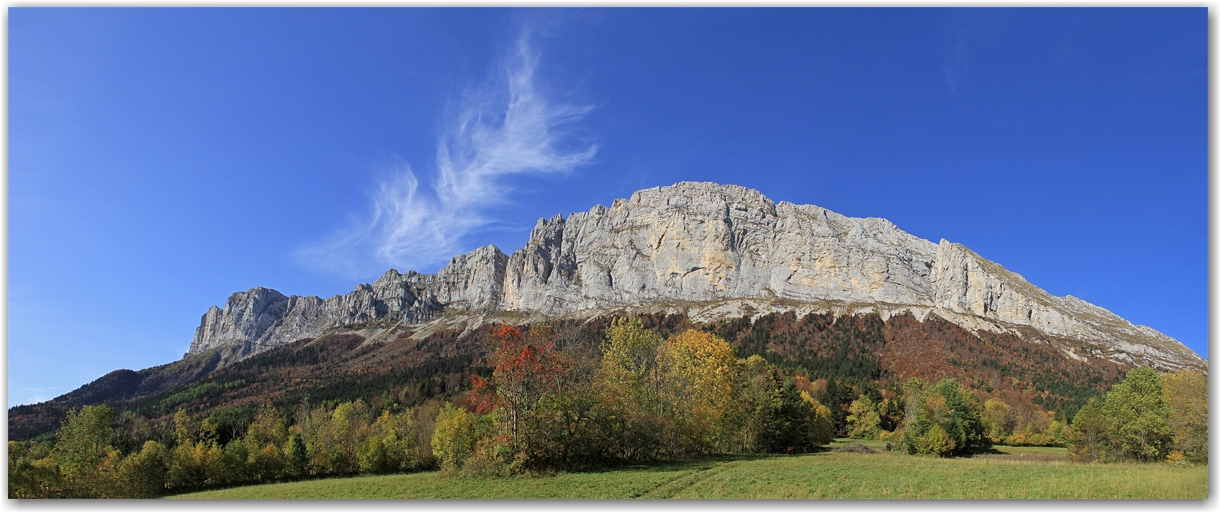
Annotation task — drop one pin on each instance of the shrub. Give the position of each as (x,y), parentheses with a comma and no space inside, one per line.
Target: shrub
(935,442)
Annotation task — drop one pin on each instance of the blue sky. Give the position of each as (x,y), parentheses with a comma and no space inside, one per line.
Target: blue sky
(160,160)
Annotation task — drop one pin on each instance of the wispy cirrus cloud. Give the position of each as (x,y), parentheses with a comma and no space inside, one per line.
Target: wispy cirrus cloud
(957,64)
(506,127)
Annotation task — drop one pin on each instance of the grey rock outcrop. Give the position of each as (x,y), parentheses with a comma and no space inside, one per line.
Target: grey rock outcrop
(703,243)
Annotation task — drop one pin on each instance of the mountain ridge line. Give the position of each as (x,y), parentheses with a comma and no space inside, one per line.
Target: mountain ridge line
(704,249)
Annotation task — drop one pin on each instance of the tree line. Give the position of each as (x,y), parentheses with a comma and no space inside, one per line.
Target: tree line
(350,439)
(1146,417)
(545,405)
(952,406)
(646,398)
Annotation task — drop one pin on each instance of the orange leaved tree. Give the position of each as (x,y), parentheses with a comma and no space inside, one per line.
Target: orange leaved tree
(526,369)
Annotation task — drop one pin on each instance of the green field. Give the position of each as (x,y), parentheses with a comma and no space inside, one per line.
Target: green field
(1011,473)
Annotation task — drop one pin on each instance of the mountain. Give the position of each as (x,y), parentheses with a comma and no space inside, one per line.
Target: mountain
(707,251)
(816,293)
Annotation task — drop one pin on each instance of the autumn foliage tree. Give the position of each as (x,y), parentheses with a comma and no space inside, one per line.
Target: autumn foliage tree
(1186,394)
(667,392)
(863,420)
(526,386)
(700,376)
(629,390)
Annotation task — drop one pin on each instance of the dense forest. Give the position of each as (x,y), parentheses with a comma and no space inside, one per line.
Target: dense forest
(571,395)
(858,350)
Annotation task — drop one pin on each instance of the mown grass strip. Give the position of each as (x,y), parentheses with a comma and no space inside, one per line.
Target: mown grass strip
(819,475)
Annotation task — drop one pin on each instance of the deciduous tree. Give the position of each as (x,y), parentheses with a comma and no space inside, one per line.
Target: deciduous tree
(1186,394)
(701,375)
(821,428)
(455,437)
(84,452)
(628,390)
(1137,415)
(525,369)
(944,408)
(863,420)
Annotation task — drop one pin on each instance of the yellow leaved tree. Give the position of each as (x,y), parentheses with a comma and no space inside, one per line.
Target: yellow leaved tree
(701,376)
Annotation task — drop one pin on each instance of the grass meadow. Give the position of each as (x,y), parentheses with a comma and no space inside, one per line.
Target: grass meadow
(1010,473)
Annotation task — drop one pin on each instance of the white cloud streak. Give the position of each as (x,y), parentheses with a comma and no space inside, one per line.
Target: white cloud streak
(494,132)
(957,64)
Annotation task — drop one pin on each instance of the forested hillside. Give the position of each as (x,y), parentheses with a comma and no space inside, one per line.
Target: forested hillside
(505,399)
(861,351)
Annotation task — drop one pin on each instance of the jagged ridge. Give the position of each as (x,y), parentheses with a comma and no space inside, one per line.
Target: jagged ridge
(695,244)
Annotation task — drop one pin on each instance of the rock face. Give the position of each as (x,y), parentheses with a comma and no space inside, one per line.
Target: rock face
(701,243)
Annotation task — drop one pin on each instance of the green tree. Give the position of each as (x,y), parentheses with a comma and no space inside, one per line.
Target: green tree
(821,428)
(1056,432)
(1138,416)
(296,458)
(131,431)
(837,398)
(1087,440)
(84,438)
(187,468)
(84,453)
(793,418)
(233,466)
(890,411)
(267,428)
(761,395)
(265,464)
(935,441)
(332,438)
(628,390)
(32,474)
(389,446)
(574,426)
(189,429)
(949,408)
(629,349)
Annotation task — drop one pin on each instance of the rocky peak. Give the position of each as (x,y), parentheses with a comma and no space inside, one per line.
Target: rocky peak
(702,243)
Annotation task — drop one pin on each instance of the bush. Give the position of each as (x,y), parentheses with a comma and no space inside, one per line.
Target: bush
(935,442)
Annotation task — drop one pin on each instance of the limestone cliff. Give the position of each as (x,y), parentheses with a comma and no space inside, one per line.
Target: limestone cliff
(705,249)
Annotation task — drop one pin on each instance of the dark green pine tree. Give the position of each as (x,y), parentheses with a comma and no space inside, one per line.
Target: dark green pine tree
(837,397)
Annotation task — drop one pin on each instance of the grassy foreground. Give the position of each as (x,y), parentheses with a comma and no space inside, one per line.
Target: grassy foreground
(1013,473)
